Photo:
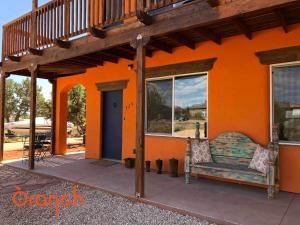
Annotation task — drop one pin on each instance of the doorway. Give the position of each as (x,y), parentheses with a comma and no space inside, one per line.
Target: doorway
(112,125)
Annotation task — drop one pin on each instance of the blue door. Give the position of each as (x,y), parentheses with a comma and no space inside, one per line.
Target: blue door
(112,125)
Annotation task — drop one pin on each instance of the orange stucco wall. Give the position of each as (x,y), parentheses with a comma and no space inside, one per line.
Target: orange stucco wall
(238,99)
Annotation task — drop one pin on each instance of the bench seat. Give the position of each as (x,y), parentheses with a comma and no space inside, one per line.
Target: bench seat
(227,171)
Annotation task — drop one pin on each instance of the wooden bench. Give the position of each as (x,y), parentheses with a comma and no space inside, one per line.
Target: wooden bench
(231,153)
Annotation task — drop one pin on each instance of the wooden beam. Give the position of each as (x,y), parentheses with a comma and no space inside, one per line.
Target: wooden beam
(209,35)
(243,27)
(178,19)
(62,44)
(35,51)
(106,57)
(182,39)
(145,18)
(213,3)
(119,53)
(14,58)
(53,116)
(95,32)
(139,44)
(282,19)
(2,112)
(33,88)
(161,46)
(99,62)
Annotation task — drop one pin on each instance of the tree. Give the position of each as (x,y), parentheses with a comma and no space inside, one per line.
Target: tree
(18,101)
(77,107)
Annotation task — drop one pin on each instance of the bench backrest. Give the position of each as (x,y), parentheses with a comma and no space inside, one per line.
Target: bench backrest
(232,148)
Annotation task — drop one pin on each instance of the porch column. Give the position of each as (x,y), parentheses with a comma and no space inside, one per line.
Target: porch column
(140,44)
(2,111)
(34,73)
(53,115)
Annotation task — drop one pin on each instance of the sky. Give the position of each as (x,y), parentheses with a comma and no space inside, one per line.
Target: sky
(11,10)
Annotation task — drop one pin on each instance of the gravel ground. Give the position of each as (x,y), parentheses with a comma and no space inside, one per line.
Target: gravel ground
(98,208)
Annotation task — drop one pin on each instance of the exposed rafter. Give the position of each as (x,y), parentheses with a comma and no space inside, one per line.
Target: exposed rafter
(282,19)
(182,39)
(14,58)
(34,51)
(209,35)
(106,57)
(243,27)
(62,44)
(145,18)
(161,46)
(120,53)
(97,32)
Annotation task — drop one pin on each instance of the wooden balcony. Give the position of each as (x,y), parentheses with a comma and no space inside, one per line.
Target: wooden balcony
(68,20)
(65,37)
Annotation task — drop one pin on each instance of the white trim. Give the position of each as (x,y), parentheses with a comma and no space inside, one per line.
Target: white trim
(172,77)
(278,65)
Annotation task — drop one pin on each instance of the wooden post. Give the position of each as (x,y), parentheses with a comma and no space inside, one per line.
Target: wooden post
(53,116)
(33,34)
(2,112)
(140,44)
(34,72)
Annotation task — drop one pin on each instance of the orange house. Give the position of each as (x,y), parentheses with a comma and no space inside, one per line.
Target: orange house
(234,68)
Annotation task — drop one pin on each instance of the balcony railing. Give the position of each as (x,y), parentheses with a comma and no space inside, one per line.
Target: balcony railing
(67,19)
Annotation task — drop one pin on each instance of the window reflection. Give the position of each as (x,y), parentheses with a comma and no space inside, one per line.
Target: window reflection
(286,102)
(159,106)
(190,105)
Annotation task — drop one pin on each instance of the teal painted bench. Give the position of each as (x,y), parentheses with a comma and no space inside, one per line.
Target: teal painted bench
(231,153)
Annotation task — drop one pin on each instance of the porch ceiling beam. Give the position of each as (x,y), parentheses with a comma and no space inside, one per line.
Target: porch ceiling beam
(82,62)
(106,57)
(35,51)
(178,19)
(99,62)
(243,27)
(149,52)
(282,19)
(62,44)
(182,39)
(209,35)
(159,45)
(119,53)
(95,32)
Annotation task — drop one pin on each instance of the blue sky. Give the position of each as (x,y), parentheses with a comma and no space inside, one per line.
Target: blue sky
(11,10)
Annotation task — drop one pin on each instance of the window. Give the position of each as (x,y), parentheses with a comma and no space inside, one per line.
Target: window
(175,104)
(286,102)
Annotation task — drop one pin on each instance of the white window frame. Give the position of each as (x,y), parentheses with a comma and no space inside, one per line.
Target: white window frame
(272,66)
(206,73)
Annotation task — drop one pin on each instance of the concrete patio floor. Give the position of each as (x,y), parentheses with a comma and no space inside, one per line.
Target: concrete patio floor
(231,203)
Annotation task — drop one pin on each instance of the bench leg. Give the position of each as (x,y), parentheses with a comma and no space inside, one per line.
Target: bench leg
(271,191)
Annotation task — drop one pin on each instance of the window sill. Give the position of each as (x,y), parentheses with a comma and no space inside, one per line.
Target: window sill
(289,143)
(169,136)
